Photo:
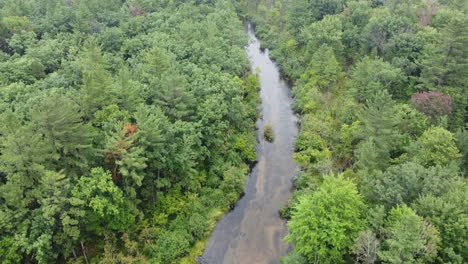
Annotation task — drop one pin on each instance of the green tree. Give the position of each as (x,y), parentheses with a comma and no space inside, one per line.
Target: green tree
(372,75)
(156,62)
(324,225)
(97,81)
(324,32)
(408,238)
(382,26)
(380,132)
(174,97)
(444,62)
(125,158)
(102,201)
(324,71)
(64,131)
(403,184)
(436,146)
(462,143)
(449,213)
(320,8)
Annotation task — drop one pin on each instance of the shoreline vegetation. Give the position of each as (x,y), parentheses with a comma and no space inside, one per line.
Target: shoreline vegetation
(381,91)
(268,133)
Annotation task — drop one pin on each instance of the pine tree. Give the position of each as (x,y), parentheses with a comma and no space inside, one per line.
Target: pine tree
(97,81)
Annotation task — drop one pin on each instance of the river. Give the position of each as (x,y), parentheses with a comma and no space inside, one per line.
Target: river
(253,232)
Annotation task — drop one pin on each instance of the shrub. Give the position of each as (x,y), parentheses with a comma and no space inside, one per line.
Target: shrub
(268,133)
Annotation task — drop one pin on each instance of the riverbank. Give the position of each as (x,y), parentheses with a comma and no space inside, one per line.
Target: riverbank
(253,232)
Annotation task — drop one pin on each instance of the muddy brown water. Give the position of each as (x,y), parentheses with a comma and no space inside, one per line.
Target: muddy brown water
(253,232)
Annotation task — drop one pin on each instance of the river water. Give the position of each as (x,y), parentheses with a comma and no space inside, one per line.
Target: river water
(252,233)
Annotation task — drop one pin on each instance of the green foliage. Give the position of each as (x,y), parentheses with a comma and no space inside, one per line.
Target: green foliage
(462,143)
(371,76)
(233,183)
(403,184)
(324,224)
(381,27)
(436,146)
(448,212)
(64,131)
(268,133)
(9,251)
(16,23)
(103,201)
(324,71)
(126,124)
(409,238)
(171,245)
(321,8)
(324,32)
(97,80)
(444,60)
(380,133)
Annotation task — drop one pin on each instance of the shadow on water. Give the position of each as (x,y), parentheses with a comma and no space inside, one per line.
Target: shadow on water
(253,232)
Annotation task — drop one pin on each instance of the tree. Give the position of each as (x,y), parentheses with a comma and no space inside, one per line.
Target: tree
(381,27)
(125,158)
(449,213)
(366,247)
(16,23)
(408,238)
(64,131)
(324,225)
(233,183)
(24,69)
(320,8)
(444,64)
(154,138)
(380,134)
(372,75)
(174,97)
(298,16)
(324,32)
(130,93)
(462,143)
(324,70)
(436,146)
(403,184)
(97,81)
(403,51)
(156,62)
(444,61)
(411,122)
(433,104)
(9,250)
(102,201)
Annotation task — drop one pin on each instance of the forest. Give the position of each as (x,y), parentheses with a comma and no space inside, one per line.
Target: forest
(128,128)
(381,87)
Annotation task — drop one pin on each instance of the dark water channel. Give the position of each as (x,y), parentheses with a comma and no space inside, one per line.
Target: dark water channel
(253,232)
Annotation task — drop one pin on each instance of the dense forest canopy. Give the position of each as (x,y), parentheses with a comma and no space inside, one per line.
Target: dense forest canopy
(382,90)
(127,128)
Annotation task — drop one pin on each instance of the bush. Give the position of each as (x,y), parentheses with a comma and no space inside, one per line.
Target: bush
(268,133)
(169,246)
